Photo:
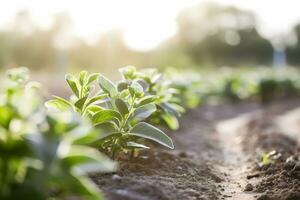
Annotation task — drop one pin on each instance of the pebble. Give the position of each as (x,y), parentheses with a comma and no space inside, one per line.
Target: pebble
(248,187)
(183,154)
(116,177)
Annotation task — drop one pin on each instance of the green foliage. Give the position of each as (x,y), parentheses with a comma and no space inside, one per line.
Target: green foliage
(261,84)
(119,111)
(269,158)
(43,156)
(158,90)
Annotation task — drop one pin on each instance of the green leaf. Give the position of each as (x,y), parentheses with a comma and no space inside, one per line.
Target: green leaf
(156,78)
(172,109)
(92,77)
(128,72)
(122,86)
(136,145)
(59,103)
(107,86)
(146,100)
(96,98)
(144,111)
(136,89)
(90,159)
(106,116)
(72,83)
(83,187)
(171,121)
(106,129)
(93,109)
(144,84)
(82,77)
(80,102)
(6,116)
(122,107)
(150,132)
(124,94)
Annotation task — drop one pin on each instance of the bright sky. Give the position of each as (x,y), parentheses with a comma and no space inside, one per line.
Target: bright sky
(145,22)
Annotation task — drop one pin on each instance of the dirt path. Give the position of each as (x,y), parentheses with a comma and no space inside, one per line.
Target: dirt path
(264,129)
(214,157)
(235,162)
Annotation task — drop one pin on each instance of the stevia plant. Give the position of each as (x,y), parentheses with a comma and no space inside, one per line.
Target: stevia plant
(119,111)
(269,158)
(42,156)
(161,92)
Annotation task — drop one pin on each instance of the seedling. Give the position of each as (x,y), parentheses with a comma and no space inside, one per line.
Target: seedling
(43,156)
(269,158)
(119,111)
(160,92)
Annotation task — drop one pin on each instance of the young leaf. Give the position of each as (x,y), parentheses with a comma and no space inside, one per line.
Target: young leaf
(136,89)
(6,115)
(144,84)
(146,100)
(82,77)
(122,86)
(128,72)
(171,121)
(81,155)
(106,116)
(171,109)
(80,102)
(59,104)
(107,86)
(96,98)
(144,111)
(92,77)
(72,83)
(122,107)
(148,131)
(136,145)
(93,109)
(124,94)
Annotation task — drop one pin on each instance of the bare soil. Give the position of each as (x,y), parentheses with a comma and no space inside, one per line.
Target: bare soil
(215,157)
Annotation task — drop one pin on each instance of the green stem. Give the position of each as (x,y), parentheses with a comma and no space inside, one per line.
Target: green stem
(129,113)
(114,147)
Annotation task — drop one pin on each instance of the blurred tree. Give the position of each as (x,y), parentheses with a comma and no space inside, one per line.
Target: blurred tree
(107,53)
(293,51)
(222,35)
(208,34)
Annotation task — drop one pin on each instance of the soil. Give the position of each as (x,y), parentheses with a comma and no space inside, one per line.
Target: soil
(281,179)
(216,157)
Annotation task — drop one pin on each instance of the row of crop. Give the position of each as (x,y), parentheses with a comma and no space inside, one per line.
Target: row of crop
(45,153)
(261,84)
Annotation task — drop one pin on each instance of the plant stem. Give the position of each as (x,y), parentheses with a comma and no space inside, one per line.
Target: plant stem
(129,113)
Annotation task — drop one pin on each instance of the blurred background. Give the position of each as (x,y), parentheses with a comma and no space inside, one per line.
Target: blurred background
(63,36)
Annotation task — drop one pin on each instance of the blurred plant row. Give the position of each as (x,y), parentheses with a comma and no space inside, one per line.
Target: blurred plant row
(259,84)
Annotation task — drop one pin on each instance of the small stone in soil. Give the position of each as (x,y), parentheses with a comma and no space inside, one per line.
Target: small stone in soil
(116,177)
(252,176)
(248,187)
(183,154)
(264,197)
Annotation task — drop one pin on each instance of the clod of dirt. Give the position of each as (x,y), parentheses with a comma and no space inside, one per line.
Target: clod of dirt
(250,176)
(248,187)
